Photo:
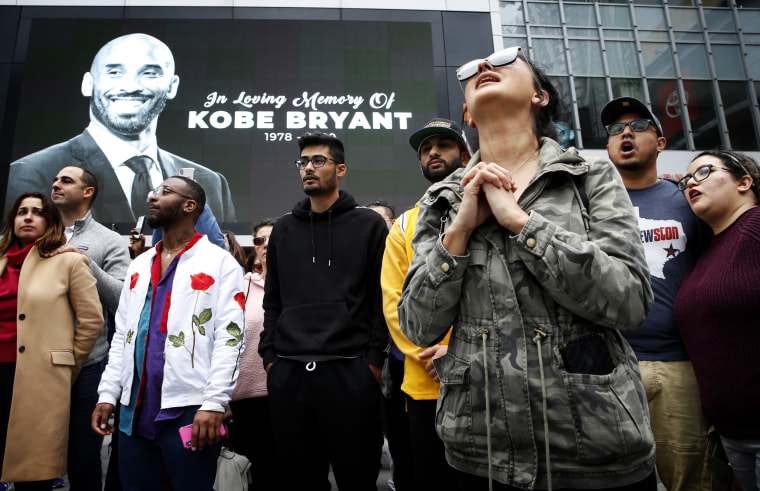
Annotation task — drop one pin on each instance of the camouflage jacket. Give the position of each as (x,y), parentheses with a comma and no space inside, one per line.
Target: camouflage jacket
(554,283)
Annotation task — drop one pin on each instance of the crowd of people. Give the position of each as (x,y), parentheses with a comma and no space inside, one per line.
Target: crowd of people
(539,320)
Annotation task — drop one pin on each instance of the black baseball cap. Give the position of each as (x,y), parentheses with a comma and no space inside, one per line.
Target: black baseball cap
(437,126)
(613,109)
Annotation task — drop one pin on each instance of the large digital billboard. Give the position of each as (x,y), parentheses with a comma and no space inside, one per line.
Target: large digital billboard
(245,90)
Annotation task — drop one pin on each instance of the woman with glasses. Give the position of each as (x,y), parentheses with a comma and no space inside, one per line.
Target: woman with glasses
(50,318)
(532,253)
(716,309)
(250,429)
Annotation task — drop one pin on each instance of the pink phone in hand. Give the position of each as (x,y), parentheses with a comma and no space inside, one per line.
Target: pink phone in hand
(186,434)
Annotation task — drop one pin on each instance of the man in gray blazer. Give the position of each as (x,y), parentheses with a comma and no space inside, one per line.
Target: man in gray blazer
(128,84)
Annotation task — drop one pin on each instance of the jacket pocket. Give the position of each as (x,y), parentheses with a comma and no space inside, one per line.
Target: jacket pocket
(62,357)
(611,420)
(453,416)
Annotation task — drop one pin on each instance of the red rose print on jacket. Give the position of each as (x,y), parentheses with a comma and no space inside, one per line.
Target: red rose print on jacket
(240,299)
(200,283)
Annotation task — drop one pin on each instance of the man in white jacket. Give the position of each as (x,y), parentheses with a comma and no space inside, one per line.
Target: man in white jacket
(174,357)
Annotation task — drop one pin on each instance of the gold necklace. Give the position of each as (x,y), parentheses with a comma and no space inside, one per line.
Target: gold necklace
(169,252)
(525,161)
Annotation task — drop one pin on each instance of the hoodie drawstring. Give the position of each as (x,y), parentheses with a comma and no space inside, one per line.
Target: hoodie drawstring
(329,238)
(484,337)
(540,335)
(311,228)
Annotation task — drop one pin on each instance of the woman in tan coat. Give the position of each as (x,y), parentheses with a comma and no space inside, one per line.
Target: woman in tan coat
(41,349)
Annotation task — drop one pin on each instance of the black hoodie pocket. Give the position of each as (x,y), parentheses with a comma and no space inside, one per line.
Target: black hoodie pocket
(317,329)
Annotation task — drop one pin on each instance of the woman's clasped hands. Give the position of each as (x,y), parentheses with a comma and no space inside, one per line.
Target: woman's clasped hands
(490,190)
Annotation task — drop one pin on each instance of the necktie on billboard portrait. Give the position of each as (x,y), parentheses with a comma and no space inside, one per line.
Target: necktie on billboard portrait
(141,185)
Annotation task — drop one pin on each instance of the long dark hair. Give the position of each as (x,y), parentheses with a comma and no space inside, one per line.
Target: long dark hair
(236,249)
(554,111)
(53,237)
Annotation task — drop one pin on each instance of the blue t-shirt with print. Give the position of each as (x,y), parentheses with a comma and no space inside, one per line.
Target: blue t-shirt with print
(671,235)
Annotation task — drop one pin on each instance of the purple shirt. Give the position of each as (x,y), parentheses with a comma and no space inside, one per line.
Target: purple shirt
(150,415)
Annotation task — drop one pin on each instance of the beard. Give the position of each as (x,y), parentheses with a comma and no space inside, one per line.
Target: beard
(165,216)
(440,174)
(323,186)
(126,125)
(634,166)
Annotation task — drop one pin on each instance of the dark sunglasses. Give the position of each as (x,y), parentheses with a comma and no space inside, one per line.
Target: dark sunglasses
(637,125)
(260,241)
(500,58)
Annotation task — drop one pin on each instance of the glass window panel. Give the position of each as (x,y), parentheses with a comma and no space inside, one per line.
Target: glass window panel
(658,61)
(550,53)
(648,2)
(627,87)
(562,85)
(512,13)
(720,20)
(750,20)
(546,14)
(618,34)
(515,41)
(586,57)
(752,38)
(653,36)
(693,60)
(582,33)
(753,59)
(580,15)
(622,59)
(689,36)
(613,16)
(665,104)
(701,107)
(738,115)
(681,3)
(652,18)
(728,61)
(512,30)
(592,96)
(684,19)
(546,31)
(724,38)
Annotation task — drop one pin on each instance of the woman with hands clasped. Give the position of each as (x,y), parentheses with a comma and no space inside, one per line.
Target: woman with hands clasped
(533,254)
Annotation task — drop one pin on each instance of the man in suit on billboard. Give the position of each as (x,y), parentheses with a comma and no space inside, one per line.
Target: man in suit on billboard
(128,84)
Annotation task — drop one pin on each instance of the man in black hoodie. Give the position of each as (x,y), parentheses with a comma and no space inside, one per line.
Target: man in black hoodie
(325,336)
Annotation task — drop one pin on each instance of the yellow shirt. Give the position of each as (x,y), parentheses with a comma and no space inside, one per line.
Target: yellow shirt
(398,255)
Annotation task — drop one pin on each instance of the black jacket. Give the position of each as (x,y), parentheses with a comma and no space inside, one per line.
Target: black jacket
(322,297)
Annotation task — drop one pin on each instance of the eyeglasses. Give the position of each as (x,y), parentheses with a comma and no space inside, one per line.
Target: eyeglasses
(317,161)
(700,174)
(260,241)
(162,190)
(637,125)
(499,58)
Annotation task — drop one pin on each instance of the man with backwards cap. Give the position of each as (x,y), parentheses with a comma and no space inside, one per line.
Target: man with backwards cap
(441,149)
(671,236)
